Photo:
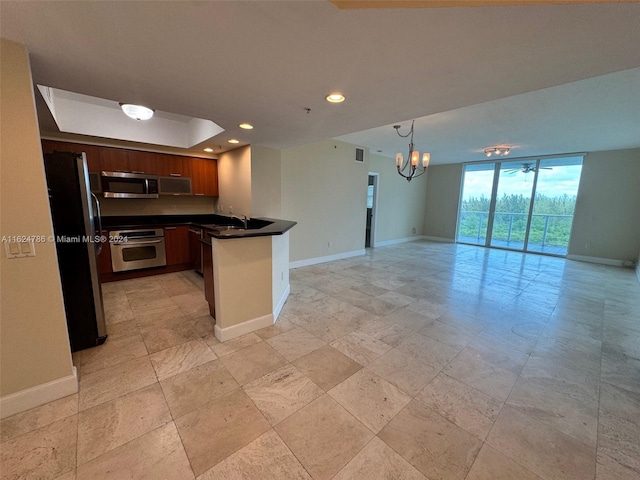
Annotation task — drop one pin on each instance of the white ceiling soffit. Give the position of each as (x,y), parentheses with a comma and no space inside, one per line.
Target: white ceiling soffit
(600,113)
(98,117)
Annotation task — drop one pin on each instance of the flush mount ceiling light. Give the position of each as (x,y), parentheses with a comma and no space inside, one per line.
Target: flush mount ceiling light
(246,126)
(409,169)
(500,151)
(234,141)
(208,149)
(335,98)
(137,112)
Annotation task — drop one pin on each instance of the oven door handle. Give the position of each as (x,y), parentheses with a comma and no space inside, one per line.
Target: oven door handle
(143,242)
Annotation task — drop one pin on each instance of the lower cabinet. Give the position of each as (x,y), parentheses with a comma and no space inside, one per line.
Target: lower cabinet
(177,245)
(207,275)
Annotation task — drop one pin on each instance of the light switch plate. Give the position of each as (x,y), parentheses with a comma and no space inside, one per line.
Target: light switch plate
(20,249)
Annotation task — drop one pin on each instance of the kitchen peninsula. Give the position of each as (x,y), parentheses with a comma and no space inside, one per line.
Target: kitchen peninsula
(246,270)
(246,274)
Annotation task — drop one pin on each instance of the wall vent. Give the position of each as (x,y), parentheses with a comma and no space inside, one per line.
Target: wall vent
(359,155)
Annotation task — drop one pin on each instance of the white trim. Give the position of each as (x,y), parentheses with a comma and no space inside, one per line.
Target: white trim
(283,299)
(602,261)
(329,258)
(396,241)
(438,239)
(39,395)
(243,328)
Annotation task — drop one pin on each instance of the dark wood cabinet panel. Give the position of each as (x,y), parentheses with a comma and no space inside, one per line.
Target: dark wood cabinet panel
(207,275)
(114,159)
(92,152)
(172,166)
(195,248)
(177,245)
(205,177)
(143,162)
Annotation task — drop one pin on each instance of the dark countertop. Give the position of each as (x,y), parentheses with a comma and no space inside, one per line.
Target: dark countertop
(214,224)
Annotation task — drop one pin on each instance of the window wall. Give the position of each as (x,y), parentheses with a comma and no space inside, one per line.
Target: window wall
(524,204)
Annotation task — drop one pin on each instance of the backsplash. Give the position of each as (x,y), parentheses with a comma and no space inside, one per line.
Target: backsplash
(165,205)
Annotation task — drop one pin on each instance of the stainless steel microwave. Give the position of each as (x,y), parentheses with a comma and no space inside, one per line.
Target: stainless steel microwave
(129,185)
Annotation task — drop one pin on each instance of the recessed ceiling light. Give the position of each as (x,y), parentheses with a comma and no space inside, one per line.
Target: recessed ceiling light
(233,140)
(335,98)
(246,126)
(208,149)
(137,112)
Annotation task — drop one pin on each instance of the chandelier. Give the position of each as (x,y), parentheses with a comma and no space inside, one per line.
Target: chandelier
(409,169)
(500,151)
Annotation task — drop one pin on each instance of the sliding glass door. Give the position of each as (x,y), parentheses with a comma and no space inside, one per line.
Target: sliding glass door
(513,202)
(473,218)
(554,204)
(524,205)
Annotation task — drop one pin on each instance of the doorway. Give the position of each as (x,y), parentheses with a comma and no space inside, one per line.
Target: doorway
(524,204)
(372,201)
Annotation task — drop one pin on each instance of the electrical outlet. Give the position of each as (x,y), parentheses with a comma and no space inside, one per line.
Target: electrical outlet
(587,246)
(413,230)
(230,210)
(329,244)
(282,276)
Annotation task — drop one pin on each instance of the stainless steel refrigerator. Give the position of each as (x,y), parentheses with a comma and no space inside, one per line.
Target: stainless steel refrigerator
(75,212)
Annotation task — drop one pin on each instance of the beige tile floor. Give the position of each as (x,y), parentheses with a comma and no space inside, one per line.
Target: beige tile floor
(414,361)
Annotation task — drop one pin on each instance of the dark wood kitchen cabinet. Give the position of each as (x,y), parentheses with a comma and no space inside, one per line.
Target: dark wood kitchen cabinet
(173,165)
(204,176)
(114,160)
(143,162)
(177,245)
(207,275)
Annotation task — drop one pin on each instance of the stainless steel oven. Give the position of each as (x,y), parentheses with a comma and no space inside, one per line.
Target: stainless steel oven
(136,249)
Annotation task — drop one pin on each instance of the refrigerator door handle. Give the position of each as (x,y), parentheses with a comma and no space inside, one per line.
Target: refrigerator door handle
(99,232)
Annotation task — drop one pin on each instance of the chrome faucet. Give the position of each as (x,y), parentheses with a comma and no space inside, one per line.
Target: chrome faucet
(244,219)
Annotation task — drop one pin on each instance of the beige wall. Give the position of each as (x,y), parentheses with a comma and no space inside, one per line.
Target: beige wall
(266,182)
(242,279)
(165,205)
(234,181)
(34,344)
(605,222)
(325,191)
(401,204)
(443,195)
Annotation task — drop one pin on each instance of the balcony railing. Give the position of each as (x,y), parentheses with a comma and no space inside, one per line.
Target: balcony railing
(548,233)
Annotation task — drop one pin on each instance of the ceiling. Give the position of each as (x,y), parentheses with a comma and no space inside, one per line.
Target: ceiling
(471,77)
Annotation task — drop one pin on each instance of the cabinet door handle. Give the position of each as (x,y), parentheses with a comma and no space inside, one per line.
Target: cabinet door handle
(135,171)
(199,194)
(175,175)
(195,231)
(170,228)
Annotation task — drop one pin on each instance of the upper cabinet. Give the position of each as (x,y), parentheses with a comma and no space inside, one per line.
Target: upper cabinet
(203,172)
(114,160)
(205,177)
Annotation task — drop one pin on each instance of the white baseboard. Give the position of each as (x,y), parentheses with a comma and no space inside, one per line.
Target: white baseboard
(283,299)
(439,239)
(601,261)
(329,258)
(39,395)
(396,241)
(243,328)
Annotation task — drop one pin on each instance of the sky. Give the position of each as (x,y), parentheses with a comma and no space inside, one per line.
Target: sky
(562,178)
